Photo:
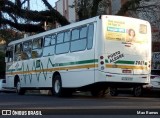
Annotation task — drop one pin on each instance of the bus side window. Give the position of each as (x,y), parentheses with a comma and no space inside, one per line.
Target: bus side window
(90,36)
(79,43)
(75,34)
(9,54)
(49,45)
(83,32)
(37,48)
(27,47)
(63,43)
(17,52)
(67,36)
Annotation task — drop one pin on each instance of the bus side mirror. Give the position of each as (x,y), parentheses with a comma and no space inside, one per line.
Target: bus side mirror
(6,59)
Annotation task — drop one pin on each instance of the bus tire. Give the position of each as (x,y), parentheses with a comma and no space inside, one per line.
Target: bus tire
(99,92)
(138,91)
(19,90)
(113,91)
(57,86)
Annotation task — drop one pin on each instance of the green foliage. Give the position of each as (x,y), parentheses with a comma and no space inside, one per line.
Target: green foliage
(10,35)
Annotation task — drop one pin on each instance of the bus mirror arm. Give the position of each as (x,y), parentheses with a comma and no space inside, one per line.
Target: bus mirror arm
(10,60)
(6,59)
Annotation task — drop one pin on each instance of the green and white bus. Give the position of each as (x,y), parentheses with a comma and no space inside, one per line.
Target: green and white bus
(94,54)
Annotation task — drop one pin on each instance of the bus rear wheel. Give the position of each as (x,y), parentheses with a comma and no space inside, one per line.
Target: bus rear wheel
(57,88)
(19,90)
(138,91)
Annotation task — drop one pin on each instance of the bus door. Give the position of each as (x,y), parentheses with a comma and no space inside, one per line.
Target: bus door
(9,63)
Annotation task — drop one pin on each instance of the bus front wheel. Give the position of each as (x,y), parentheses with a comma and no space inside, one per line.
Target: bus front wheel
(57,86)
(19,90)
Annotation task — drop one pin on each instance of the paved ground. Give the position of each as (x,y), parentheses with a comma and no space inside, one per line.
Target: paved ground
(81,104)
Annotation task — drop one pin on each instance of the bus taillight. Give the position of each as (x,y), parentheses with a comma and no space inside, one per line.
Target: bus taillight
(101,57)
(102,62)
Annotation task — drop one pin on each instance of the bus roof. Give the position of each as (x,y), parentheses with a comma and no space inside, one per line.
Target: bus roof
(64,28)
(54,30)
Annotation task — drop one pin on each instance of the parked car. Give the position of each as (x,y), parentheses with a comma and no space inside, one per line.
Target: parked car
(137,91)
(2,84)
(3,87)
(154,84)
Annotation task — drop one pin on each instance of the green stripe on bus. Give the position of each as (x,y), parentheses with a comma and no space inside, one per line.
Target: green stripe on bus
(122,62)
(19,69)
(79,62)
(125,62)
(106,61)
(10,70)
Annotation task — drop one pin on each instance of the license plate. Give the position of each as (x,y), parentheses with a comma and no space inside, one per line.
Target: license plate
(127,78)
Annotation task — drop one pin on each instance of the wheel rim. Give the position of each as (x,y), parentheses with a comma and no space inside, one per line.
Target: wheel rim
(18,87)
(57,86)
(138,91)
(113,91)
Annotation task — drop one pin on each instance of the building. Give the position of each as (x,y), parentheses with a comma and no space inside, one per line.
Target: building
(67,9)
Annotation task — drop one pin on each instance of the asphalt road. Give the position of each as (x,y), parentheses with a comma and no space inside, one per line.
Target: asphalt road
(80,104)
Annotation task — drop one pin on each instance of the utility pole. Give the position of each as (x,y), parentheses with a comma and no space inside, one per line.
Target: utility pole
(28,8)
(45,23)
(27,21)
(28,4)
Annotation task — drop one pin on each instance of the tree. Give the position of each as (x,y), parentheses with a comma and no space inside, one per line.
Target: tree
(10,34)
(15,11)
(12,10)
(90,8)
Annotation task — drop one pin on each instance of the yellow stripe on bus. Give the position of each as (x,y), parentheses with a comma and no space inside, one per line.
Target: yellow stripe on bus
(54,69)
(126,66)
